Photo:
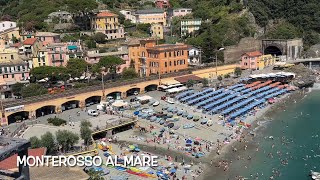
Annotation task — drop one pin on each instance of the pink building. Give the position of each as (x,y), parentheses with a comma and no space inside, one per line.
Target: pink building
(48,37)
(162,4)
(250,60)
(57,54)
(11,72)
(93,57)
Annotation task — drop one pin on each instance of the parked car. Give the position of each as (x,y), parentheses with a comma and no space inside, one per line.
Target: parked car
(135,93)
(92,112)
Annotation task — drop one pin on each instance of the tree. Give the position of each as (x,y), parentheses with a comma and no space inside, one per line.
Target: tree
(33,90)
(35,142)
(85,132)
(129,73)
(99,37)
(205,82)
(219,78)
(53,73)
(226,75)
(66,139)
(190,83)
(237,71)
(109,63)
(76,67)
(16,88)
(90,43)
(47,140)
(144,27)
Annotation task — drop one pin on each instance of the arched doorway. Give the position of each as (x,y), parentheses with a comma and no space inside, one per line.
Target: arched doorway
(45,110)
(151,87)
(115,95)
(18,116)
(133,91)
(273,50)
(70,105)
(92,100)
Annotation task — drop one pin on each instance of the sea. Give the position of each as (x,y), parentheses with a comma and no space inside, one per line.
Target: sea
(286,147)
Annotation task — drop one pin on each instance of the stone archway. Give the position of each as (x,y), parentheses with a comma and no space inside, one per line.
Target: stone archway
(70,105)
(132,91)
(151,87)
(273,50)
(45,110)
(18,116)
(115,95)
(92,100)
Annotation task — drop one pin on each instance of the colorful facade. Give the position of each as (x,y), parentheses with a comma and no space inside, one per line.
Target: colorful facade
(251,60)
(151,16)
(162,4)
(189,26)
(181,12)
(6,37)
(48,37)
(150,58)
(94,57)
(156,31)
(108,24)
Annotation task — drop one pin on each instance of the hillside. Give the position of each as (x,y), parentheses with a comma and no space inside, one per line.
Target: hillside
(225,22)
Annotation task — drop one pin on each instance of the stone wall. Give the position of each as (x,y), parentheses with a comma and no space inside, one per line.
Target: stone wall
(233,53)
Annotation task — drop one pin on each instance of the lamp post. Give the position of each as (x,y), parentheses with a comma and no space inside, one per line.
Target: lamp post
(102,81)
(221,49)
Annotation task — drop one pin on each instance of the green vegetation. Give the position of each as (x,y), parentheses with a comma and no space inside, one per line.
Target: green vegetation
(190,83)
(16,88)
(66,139)
(129,73)
(57,121)
(219,78)
(76,67)
(205,82)
(33,90)
(237,71)
(109,63)
(85,131)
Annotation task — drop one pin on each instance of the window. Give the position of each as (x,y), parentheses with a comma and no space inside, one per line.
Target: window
(60,56)
(165,64)
(165,54)
(22,74)
(174,63)
(11,56)
(169,54)
(252,63)
(5,76)
(170,63)
(12,75)
(182,52)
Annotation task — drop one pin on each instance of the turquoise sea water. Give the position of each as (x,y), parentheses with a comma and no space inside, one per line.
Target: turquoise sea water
(296,140)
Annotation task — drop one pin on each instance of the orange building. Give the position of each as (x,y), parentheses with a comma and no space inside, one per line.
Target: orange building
(150,58)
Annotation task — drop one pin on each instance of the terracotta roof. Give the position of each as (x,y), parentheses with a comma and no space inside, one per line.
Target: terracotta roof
(253,54)
(30,41)
(185,79)
(11,162)
(106,14)
(16,45)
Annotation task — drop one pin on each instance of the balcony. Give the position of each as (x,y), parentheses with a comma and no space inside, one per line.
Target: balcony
(57,60)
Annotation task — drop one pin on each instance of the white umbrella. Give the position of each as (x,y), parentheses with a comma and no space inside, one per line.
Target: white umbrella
(71,79)
(87,78)
(42,80)
(76,78)
(82,77)
(46,79)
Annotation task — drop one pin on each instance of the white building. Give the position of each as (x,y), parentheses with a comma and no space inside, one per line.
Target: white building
(194,56)
(5,25)
(189,26)
(128,15)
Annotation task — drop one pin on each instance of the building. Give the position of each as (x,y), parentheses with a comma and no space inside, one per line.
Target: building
(9,37)
(108,24)
(57,54)
(189,26)
(59,17)
(94,57)
(11,72)
(181,12)
(162,4)
(250,60)
(194,57)
(156,31)
(48,37)
(5,25)
(30,47)
(150,58)
(128,15)
(266,60)
(151,16)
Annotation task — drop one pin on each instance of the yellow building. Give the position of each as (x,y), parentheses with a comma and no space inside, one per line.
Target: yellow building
(266,60)
(151,16)
(41,59)
(156,31)
(108,24)
(6,37)
(9,54)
